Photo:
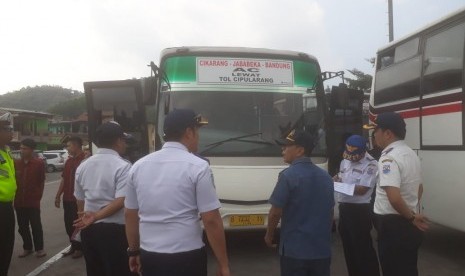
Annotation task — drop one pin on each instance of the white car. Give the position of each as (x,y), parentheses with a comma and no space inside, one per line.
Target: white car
(55,160)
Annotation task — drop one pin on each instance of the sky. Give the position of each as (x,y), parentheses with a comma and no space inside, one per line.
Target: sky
(68,42)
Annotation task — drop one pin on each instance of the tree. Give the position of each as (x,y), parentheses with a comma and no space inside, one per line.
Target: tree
(70,109)
(362,81)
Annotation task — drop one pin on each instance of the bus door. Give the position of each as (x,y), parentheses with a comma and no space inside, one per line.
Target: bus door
(442,89)
(120,101)
(345,118)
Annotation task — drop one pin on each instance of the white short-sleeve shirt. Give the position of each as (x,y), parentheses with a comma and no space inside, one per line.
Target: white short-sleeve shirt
(398,166)
(100,179)
(170,188)
(363,173)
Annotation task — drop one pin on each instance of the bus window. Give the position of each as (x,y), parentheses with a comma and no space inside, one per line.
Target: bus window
(443,62)
(406,50)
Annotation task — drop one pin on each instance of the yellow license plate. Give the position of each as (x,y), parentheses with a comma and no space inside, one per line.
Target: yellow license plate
(246,220)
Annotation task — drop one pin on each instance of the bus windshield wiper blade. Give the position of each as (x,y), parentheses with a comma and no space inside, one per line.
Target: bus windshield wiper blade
(238,138)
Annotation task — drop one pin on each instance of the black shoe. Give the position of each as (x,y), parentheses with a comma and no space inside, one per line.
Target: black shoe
(69,252)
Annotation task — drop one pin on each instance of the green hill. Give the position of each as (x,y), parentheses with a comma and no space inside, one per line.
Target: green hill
(39,98)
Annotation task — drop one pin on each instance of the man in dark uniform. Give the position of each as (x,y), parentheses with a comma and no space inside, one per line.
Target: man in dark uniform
(7,195)
(303,200)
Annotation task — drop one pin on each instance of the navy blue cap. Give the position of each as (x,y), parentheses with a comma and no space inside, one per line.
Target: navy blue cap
(356,147)
(297,137)
(109,131)
(389,120)
(179,119)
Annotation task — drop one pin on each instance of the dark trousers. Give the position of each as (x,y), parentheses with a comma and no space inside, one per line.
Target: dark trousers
(70,215)
(7,235)
(104,246)
(298,267)
(190,263)
(355,223)
(26,217)
(398,243)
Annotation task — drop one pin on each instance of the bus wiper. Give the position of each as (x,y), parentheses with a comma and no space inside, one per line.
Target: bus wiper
(238,138)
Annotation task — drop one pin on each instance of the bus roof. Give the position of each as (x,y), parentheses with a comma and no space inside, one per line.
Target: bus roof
(437,23)
(236,51)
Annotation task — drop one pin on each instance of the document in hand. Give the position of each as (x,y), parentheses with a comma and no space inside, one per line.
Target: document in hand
(344,188)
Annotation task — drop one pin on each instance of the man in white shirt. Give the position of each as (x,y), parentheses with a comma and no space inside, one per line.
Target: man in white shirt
(100,187)
(359,168)
(169,193)
(400,228)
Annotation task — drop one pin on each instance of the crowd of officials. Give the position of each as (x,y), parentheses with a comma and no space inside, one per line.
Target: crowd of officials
(146,218)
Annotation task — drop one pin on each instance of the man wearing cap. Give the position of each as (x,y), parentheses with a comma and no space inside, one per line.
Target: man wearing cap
(99,189)
(303,200)
(400,227)
(355,211)
(66,188)
(30,178)
(7,194)
(168,191)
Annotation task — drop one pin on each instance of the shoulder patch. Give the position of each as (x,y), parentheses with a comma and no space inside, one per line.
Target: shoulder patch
(386,168)
(371,170)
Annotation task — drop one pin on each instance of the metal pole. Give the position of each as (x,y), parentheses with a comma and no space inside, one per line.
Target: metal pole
(391,21)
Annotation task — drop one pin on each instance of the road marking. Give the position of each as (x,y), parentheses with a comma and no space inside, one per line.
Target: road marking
(52,182)
(48,263)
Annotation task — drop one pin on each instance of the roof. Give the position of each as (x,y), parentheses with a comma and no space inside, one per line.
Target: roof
(25,112)
(235,51)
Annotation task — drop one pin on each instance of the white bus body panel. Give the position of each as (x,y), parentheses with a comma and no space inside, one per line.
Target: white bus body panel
(444,185)
(244,185)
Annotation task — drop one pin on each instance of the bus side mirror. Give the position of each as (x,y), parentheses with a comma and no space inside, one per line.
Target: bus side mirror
(149,90)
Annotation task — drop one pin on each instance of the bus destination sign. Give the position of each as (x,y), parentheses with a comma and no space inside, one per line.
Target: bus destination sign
(242,71)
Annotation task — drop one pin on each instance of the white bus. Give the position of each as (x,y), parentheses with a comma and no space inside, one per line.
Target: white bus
(250,97)
(421,77)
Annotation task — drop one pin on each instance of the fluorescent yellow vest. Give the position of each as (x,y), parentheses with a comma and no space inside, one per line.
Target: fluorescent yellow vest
(7,176)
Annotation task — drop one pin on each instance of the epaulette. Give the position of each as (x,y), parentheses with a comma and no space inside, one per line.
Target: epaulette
(387,151)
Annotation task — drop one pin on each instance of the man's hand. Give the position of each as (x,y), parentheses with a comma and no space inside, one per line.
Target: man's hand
(85,219)
(57,202)
(269,240)
(421,222)
(134,264)
(223,271)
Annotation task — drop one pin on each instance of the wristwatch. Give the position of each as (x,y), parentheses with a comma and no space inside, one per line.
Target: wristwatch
(411,219)
(133,252)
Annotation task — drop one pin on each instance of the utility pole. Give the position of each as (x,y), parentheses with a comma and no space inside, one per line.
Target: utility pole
(391,21)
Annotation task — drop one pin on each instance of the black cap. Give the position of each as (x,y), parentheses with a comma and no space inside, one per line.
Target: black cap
(179,119)
(109,131)
(298,137)
(389,120)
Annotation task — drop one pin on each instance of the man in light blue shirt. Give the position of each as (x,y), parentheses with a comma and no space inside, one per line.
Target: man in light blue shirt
(100,188)
(170,192)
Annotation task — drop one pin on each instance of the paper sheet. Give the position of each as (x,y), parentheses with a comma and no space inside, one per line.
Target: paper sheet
(344,188)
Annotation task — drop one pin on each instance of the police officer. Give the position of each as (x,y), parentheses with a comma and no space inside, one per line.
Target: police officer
(7,194)
(400,228)
(355,211)
(303,200)
(167,191)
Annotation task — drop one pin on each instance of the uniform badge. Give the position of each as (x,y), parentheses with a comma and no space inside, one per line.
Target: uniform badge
(386,168)
(370,170)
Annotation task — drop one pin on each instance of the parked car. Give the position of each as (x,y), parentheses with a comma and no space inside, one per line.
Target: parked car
(16,154)
(63,152)
(55,161)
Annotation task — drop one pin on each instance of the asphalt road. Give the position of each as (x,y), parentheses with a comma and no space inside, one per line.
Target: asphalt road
(442,252)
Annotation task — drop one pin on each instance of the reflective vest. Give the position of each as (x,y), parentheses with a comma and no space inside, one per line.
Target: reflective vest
(7,176)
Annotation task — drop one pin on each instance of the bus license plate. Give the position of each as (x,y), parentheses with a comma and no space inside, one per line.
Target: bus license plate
(246,220)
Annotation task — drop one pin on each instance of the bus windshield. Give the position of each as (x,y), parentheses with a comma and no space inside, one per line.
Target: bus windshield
(247,123)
